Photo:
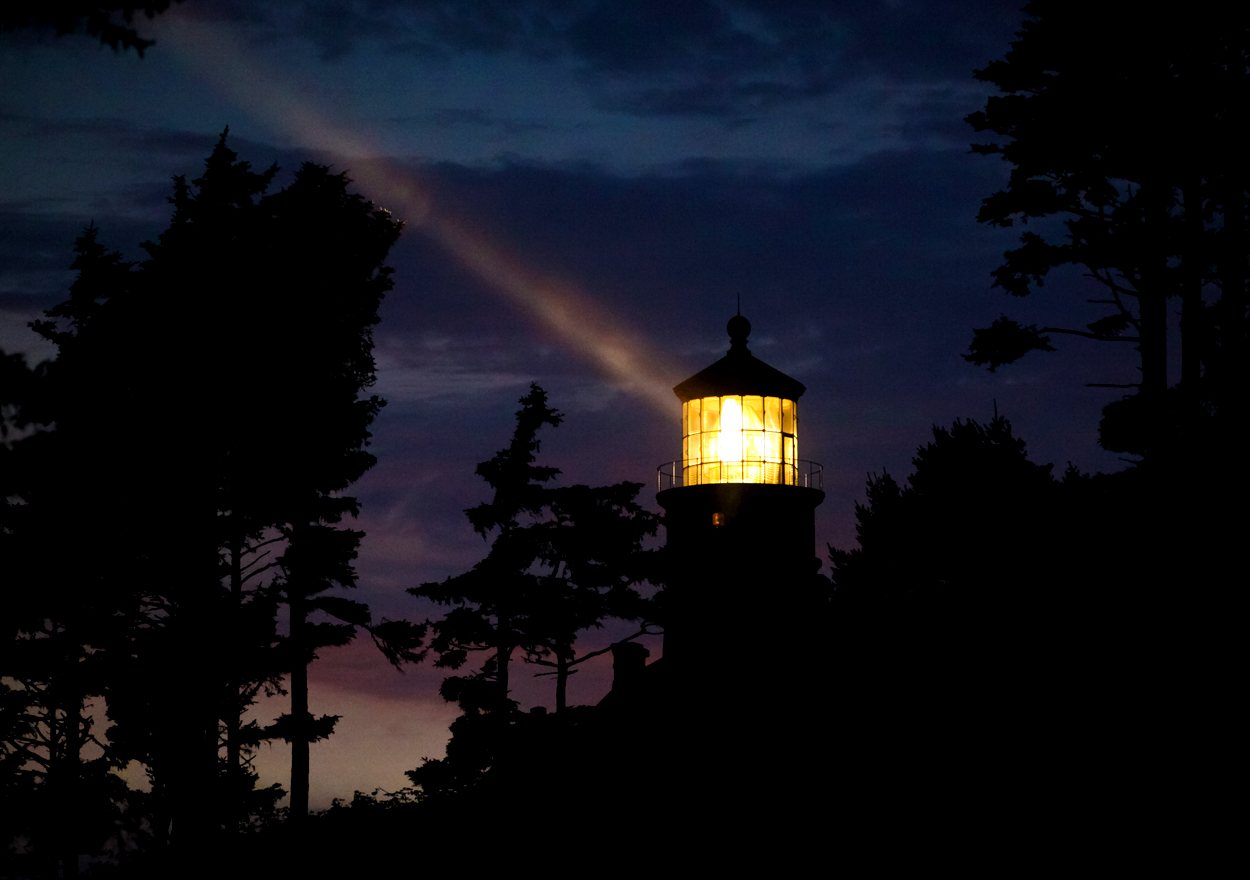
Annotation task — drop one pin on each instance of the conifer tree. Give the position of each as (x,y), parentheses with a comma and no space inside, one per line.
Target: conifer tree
(976,520)
(563,560)
(333,244)
(1134,147)
(594,560)
(66,610)
(113,23)
(492,603)
(211,402)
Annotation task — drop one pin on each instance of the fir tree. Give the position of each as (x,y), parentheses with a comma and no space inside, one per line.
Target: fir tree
(563,560)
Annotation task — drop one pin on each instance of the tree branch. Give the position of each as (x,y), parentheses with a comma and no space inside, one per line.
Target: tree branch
(1089,335)
(642,632)
(1116,291)
(258,571)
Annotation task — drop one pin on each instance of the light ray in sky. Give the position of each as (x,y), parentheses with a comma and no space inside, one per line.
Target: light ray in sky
(574,316)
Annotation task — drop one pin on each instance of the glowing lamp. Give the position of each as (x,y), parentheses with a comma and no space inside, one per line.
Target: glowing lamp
(739,438)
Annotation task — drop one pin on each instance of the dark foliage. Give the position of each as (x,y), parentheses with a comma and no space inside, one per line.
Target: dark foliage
(112,23)
(1005,342)
(563,560)
(1134,146)
(975,520)
(210,408)
(1009,632)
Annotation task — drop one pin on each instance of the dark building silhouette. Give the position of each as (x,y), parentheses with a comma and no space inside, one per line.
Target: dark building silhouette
(729,725)
(740,506)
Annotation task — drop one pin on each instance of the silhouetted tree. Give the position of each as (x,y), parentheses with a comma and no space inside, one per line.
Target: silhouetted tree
(295,279)
(563,560)
(490,605)
(318,558)
(20,420)
(975,521)
(67,608)
(331,279)
(212,269)
(594,549)
(475,744)
(65,799)
(1010,633)
(242,345)
(111,22)
(1134,145)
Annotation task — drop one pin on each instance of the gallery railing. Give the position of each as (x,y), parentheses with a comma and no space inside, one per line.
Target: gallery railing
(808,474)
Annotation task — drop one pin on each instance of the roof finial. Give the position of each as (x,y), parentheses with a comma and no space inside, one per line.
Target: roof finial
(739,329)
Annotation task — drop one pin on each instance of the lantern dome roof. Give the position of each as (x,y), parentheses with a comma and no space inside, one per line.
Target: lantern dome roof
(739,372)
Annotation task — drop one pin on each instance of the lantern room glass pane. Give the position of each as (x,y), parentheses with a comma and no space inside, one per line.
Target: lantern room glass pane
(787,416)
(731,429)
(690,447)
(752,413)
(772,446)
(772,413)
(753,446)
(709,446)
(711,414)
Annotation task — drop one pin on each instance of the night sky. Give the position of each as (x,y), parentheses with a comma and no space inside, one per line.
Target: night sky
(588,188)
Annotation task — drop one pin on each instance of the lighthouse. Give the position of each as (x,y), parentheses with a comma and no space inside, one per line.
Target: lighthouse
(739,506)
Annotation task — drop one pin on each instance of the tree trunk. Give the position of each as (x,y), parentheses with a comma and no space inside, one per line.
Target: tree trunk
(234,756)
(60,809)
(1193,321)
(71,800)
(196,625)
(1152,297)
(1233,306)
(190,792)
(503,653)
(51,828)
(562,678)
(299,709)
(1154,367)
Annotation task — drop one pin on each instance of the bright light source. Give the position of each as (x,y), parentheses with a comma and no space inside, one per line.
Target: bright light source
(739,439)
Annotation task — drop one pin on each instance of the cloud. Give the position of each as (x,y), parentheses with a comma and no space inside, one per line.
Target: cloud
(441,366)
(479,121)
(717,99)
(693,57)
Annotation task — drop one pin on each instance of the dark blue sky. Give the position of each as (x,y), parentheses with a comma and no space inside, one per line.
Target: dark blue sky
(588,187)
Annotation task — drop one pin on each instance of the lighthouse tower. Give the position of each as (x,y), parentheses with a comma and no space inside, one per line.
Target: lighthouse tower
(739,506)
